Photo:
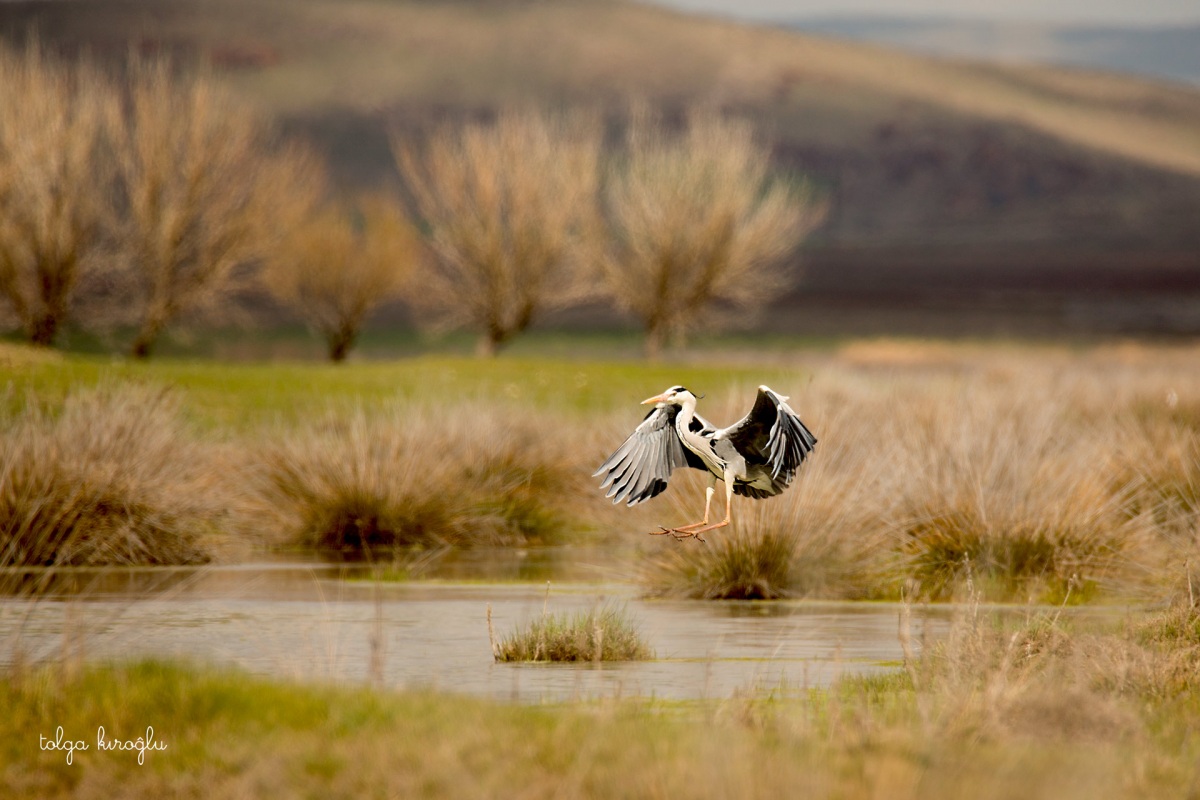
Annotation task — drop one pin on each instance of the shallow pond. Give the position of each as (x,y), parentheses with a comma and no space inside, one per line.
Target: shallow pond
(318,621)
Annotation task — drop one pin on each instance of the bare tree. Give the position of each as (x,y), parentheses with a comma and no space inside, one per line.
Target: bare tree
(205,195)
(505,206)
(695,222)
(342,264)
(54,185)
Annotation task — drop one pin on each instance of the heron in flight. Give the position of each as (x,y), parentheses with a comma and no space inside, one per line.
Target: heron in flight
(758,456)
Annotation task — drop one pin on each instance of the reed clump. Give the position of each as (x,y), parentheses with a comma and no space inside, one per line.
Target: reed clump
(1015,489)
(603,633)
(460,477)
(112,478)
(749,564)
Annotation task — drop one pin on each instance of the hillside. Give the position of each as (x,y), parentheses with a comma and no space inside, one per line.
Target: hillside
(987,180)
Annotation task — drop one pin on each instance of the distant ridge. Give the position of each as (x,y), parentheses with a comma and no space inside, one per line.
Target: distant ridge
(1164,52)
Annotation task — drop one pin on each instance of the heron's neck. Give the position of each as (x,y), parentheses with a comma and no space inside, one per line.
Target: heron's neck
(687,412)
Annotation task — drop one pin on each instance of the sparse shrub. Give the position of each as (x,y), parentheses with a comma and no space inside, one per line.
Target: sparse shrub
(205,194)
(694,221)
(337,267)
(604,633)
(508,207)
(414,477)
(114,478)
(55,186)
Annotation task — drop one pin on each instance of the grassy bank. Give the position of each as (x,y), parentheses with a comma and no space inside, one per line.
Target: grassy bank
(1034,708)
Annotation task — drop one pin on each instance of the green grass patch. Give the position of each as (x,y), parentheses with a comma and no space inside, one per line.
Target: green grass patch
(236,395)
(603,633)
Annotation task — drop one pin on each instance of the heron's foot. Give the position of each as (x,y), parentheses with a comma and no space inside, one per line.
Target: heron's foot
(679,533)
(705,529)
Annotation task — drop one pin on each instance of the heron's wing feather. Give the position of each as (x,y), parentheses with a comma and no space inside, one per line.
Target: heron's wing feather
(772,435)
(640,468)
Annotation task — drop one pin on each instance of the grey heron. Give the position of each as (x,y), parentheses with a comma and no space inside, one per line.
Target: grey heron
(758,456)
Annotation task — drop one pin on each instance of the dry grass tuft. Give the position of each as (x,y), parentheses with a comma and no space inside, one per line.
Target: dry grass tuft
(605,633)
(114,478)
(751,564)
(464,476)
(1013,486)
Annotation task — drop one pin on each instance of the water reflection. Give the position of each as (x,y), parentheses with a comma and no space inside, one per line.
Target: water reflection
(314,620)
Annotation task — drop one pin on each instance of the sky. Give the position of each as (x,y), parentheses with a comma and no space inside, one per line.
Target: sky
(1084,12)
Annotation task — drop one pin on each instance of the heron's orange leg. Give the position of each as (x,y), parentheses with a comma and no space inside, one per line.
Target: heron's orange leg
(698,531)
(683,529)
(692,530)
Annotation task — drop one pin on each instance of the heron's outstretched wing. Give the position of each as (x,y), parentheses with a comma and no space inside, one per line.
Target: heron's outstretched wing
(772,435)
(641,466)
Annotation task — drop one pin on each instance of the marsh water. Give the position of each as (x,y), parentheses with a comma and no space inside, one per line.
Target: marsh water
(314,620)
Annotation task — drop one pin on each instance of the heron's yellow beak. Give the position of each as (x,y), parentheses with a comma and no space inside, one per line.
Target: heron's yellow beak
(658,398)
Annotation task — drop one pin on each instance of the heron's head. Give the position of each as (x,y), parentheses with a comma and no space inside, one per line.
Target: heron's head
(675,396)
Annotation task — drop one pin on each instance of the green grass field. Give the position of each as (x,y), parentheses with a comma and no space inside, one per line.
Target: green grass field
(217,393)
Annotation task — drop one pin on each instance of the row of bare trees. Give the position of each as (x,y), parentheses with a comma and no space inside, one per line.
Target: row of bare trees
(143,202)
(528,214)
(160,198)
